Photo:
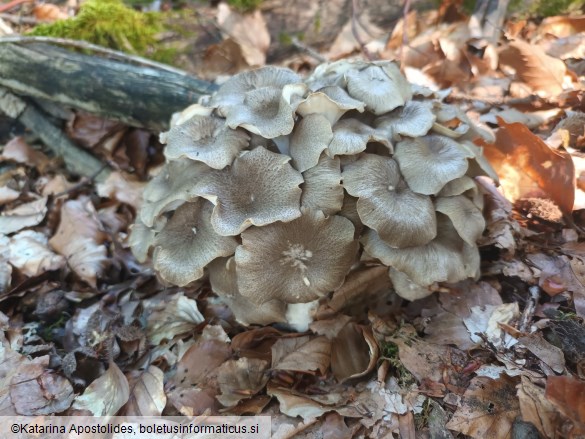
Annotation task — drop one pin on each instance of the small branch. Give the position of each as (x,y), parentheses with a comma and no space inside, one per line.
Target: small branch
(18,19)
(76,159)
(308,50)
(528,313)
(354,31)
(8,6)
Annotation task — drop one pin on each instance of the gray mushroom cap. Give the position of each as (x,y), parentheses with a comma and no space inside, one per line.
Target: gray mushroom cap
(298,261)
(351,136)
(386,204)
(405,287)
(262,101)
(447,258)
(465,216)
(223,279)
(260,188)
(331,102)
(232,92)
(428,163)
(142,237)
(322,188)
(415,119)
(310,138)
(378,88)
(188,243)
(171,187)
(205,139)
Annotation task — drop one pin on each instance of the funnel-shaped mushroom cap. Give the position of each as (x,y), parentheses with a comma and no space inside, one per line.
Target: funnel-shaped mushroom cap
(458,186)
(322,189)
(386,204)
(349,211)
(380,92)
(232,92)
(333,74)
(465,216)
(331,102)
(311,136)
(453,122)
(185,115)
(207,140)
(142,237)
(188,243)
(222,276)
(172,186)
(262,101)
(447,258)
(267,111)
(295,262)
(479,165)
(405,287)
(260,188)
(350,136)
(415,119)
(428,163)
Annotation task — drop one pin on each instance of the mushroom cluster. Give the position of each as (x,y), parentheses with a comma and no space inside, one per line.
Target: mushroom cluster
(277,186)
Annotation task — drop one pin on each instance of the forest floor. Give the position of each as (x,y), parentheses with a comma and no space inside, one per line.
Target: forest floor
(502,357)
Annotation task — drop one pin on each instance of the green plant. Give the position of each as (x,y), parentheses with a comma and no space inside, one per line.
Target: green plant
(244,5)
(108,23)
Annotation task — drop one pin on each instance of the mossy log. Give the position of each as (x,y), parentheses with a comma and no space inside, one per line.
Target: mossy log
(138,95)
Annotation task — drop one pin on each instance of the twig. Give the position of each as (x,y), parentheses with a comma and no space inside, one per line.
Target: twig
(310,51)
(8,6)
(76,159)
(354,31)
(84,45)
(18,19)
(405,12)
(529,309)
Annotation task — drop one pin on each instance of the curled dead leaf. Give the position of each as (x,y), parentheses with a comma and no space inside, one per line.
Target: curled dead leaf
(106,395)
(543,73)
(528,167)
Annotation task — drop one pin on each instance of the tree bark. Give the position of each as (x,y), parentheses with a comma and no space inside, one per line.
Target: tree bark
(139,96)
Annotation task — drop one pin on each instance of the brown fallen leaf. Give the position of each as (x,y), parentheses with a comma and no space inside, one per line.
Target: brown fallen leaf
(354,352)
(122,187)
(562,26)
(568,395)
(543,73)
(35,390)
(535,408)
(30,254)
(26,215)
(248,30)
(10,362)
(89,130)
(302,354)
(49,12)
(106,395)
(20,151)
(193,388)
(177,315)
(147,396)
(528,167)
(79,238)
(241,379)
(488,409)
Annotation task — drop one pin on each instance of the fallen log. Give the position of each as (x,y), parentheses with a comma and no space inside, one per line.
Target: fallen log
(133,90)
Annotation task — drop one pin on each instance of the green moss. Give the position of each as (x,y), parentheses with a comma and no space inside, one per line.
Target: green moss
(108,23)
(549,8)
(244,5)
